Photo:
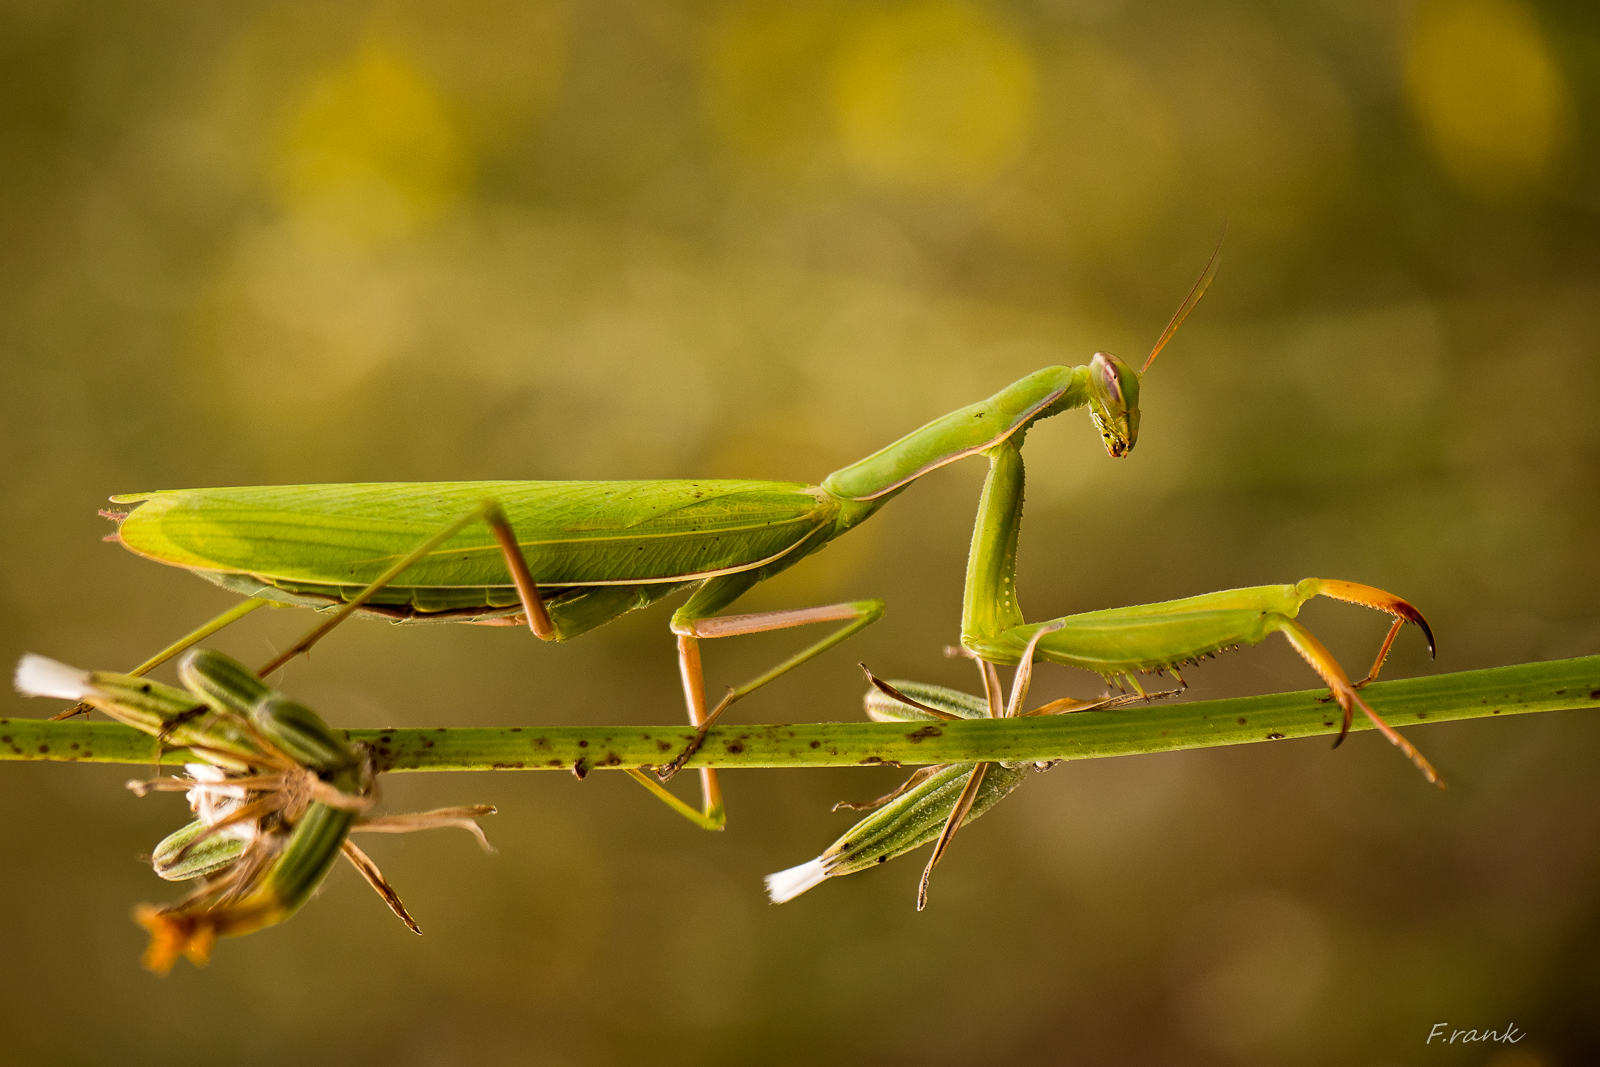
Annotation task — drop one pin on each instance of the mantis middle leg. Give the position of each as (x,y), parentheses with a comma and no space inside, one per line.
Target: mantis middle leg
(697,620)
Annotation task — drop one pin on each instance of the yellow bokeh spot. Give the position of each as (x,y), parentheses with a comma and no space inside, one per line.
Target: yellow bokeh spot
(1482,81)
(371,151)
(933,96)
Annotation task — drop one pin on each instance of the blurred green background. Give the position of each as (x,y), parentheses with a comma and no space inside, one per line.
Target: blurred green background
(297,242)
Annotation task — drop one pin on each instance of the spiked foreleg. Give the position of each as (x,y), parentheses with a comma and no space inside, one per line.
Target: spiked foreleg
(1124,642)
(1370,597)
(989,602)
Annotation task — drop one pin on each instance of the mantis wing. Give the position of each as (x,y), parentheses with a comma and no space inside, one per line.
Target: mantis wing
(573,533)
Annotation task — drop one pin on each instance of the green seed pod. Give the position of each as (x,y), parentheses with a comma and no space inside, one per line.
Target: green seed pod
(232,688)
(177,858)
(302,734)
(910,820)
(222,682)
(881,707)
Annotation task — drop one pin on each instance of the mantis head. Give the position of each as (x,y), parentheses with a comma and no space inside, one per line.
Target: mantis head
(1114,402)
(1114,386)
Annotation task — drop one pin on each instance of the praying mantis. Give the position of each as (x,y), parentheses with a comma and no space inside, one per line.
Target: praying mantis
(567,557)
(1118,644)
(277,794)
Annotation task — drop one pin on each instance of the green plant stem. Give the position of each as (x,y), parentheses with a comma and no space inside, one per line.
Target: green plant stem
(1159,727)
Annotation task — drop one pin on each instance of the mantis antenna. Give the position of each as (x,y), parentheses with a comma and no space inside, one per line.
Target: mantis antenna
(1189,301)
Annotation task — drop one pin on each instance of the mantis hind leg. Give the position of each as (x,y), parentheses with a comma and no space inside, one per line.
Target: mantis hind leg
(491,514)
(538,619)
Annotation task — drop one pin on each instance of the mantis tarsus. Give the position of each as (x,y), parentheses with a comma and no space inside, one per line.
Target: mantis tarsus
(566,557)
(277,794)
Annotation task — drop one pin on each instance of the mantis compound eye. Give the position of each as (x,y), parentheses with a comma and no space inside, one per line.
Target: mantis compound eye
(1114,402)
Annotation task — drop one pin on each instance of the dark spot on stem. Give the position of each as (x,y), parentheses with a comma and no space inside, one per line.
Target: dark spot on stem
(583,744)
(664,746)
(814,744)
(735,747)
(611,760)
(44,748)
(516,729)
(916,737)
(872,759)
(1422,715)
(1595,695)
(517,766)
(1243,720)
(1274,737)
(882,859)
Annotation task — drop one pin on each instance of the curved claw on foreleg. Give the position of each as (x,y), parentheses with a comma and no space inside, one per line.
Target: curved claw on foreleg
(1372,597)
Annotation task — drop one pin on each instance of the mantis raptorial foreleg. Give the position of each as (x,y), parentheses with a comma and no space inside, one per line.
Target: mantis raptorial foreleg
(1120,643)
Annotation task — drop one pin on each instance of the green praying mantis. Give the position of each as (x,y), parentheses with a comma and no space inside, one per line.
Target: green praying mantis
(277,794)
(567,557)
(1119,644)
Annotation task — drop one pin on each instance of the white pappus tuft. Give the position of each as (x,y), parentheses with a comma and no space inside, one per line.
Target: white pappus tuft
(40,676)
(212,799)
(786,885)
